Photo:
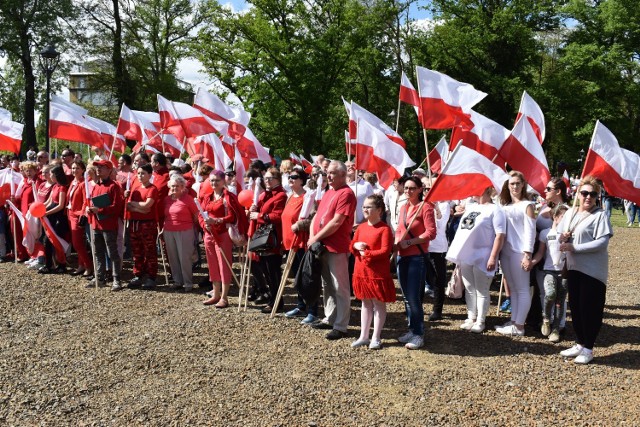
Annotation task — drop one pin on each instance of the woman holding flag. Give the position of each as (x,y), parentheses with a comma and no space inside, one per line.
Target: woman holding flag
(57,226)
(77,220)
(222,209)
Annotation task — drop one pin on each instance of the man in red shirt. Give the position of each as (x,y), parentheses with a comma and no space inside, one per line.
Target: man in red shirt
(332,226)
(104,223)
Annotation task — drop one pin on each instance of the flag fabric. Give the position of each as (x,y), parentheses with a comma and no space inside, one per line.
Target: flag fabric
(617,168)
(485,136)
(438,156)
(30,228)
(144,127)
(132,126)
(212,148)
(59,244)
(357,114)
(444,102)
(215,108)
(566,180)
(306,164)
(467,173)
(5,114)
(523,152)
(71,124)
(10,135)
(251,148)
(107,134)
(532,111)
(408,94)
(183,120)
(11,177)
(375,152)
(295,159)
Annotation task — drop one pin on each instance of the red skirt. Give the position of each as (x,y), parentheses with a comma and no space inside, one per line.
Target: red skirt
(381,289)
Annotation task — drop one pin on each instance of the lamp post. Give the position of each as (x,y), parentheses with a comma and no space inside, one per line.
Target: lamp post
(49,61)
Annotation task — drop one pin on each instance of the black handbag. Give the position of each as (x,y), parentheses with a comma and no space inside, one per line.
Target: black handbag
(82,221)
(264,239)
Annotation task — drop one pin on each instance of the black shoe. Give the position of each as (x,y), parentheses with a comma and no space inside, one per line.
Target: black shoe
(435,316)
(45,270)
(267,309)
(61,269)
(319,324)
(335,335)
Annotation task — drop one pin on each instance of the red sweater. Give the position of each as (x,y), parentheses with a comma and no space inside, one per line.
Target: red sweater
(111,213)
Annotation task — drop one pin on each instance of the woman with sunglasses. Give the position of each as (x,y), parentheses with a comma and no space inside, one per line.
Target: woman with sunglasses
(295,233)
(515,258)
(269,211)
(584,232)
(416,227)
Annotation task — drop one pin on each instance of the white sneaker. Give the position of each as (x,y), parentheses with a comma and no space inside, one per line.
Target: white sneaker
(574,351)
(584,358)
(554,336)
(403,339)
(35,266)
(360,343)
(510,330)
(467,324)
(504,325)
(416,342)
(375,345)
(477,327)
(30,261)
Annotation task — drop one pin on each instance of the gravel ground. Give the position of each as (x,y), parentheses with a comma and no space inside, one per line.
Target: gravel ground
(72,356)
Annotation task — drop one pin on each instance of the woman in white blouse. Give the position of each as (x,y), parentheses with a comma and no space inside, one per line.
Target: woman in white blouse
(515,258)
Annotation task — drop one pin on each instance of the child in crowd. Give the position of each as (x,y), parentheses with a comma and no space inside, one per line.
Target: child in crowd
(372,282)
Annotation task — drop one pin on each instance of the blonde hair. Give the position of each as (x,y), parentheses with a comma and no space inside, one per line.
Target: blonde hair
(592,181)
(25,166)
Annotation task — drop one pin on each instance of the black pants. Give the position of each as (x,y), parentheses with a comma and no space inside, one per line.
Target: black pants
(440,262)
(586,299)
(271,268)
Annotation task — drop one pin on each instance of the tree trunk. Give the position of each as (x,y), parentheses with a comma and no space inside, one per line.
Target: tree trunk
(29,135)
(125,92)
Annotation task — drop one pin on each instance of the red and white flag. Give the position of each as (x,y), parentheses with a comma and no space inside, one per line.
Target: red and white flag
(566,179)
(617,168)
(408,94)
(5,114)
(183,120)
(70,124)
(251,148)
(485,136)
(144,127)
(358,114)
(295,159)
(10,135)
(523,152)
(467,173)
(59,244)
(215,108)
(444,102)
(132,126)
(306,164)
(212,148)
(532,111)
(30,228)
(438,156)
(376,153)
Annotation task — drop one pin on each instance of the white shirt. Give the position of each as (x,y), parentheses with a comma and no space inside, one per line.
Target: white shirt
(393,202)
(475,236)
(521,228)
(440,243)
(362,189)
(553,257)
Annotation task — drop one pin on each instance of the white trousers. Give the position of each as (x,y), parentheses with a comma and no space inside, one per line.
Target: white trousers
(518,280)
(476,289)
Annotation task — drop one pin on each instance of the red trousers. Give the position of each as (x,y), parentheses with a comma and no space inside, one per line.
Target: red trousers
(79,242)
(143,235)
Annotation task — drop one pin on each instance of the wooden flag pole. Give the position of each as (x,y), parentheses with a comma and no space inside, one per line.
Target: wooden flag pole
(164,263)
(285,275)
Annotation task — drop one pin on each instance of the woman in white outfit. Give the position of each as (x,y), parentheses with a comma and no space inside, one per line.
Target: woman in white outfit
(475,248)
(515,258)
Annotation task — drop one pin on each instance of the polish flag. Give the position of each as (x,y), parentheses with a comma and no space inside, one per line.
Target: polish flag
(251,148)
(132,126)
(30,228)
(376,153)
(240,168)
(444,102)
(12,178)
(358,114)
(70,124)
(306,164)
(467,173)
(183,120)
(295,159)
(523,152)
(408,94)
(485,136)
(215,108)
(109,135)
(10,135)
(439,155)
(144,127)
(59,244)
(532,111)
(617,168)
(211,147)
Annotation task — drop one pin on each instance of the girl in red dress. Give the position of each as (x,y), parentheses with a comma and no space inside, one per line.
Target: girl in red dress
(372,282)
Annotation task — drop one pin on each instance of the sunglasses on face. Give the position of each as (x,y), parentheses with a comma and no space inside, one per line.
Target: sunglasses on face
(586,193)
(294,177)
(410,188)
(229,174)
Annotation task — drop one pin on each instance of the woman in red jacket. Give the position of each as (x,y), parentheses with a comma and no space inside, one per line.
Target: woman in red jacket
(75,211)
(269,211)
(222,209)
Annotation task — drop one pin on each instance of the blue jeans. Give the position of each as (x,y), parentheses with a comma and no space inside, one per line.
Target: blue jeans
(607,202)
(411,273)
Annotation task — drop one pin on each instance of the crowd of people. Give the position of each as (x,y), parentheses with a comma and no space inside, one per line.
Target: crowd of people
(155,207)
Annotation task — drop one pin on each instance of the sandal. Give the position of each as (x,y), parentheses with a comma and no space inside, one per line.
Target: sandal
(223,303)
(211,301)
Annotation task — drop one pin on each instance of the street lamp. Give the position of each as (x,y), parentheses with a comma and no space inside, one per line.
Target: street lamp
(49,61)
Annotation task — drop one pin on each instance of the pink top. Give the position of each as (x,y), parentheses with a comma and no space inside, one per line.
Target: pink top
(180,213)
(423,226)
